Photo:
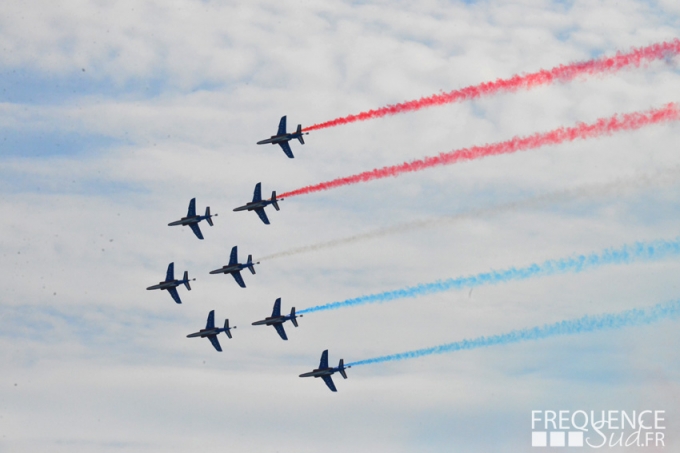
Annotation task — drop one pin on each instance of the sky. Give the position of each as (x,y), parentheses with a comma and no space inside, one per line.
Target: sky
(114,115)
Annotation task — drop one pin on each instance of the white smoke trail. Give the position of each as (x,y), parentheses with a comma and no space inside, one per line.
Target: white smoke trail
(619,187)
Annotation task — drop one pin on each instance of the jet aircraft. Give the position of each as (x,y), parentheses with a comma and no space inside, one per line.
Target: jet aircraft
(325,372)
(277,320)
(258,204)
(211,331)
(193,220)
(170,284)
(234,267)
(282,137)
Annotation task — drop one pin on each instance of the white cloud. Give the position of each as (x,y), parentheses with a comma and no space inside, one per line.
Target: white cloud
(104,364)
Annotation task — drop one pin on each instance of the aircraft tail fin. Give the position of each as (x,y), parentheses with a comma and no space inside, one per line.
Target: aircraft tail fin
(186,280)
(226,328)
(208,217)
(299,134)
(275,202)
(292,317)
(341,368)
(250,264)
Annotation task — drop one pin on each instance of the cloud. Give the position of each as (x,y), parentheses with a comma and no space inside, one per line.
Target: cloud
(169,107)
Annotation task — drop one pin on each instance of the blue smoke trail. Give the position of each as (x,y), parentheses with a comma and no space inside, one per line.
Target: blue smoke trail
(640,251)
(634,317)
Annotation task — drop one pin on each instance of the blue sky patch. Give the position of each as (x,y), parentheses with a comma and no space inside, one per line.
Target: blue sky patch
(40,144)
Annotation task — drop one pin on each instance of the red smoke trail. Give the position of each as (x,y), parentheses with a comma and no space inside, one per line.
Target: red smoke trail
(635,57)
(603,126)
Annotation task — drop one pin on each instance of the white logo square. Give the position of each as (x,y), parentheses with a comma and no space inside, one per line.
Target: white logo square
(557,439)
(576,438)
(539,439)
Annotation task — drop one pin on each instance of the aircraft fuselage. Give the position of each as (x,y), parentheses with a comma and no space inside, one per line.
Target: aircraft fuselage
(187,220)
(251,206)
(205,333)
(276,139)
(166,285)
(319,372)
(229,269)
(272,320)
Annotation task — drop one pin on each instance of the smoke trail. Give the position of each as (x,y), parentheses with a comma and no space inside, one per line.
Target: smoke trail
(640,251)
(609,321)
(611,188)
(603,126)
(562,73)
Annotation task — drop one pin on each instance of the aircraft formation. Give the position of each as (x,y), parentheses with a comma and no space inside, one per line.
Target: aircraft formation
(604,126)
(276,320)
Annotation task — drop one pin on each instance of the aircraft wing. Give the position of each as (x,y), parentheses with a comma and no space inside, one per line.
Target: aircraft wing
(197,231)
(282,126)
(192,208)
(239,279)
(286,149)
(233,258)
(170,275)
(175,295)
(215,342)
(257,194)
(329,382)
(324,360)
(211,320)
(263,215)
(280,331)
(277,308)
